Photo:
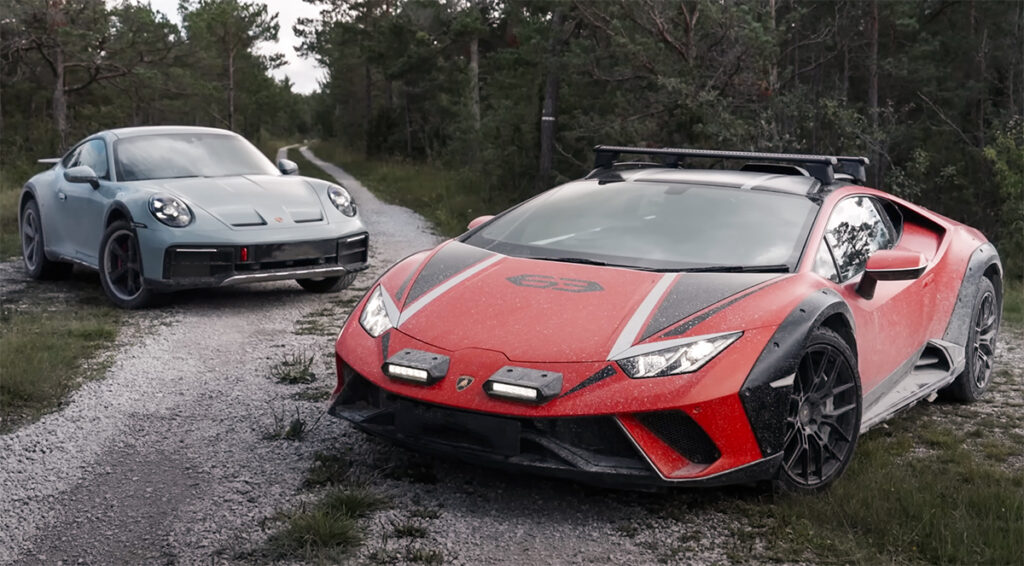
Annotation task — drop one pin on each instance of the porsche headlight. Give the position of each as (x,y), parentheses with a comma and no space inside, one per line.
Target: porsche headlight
(342,200)
(172,211)
(681,358)
(374,319)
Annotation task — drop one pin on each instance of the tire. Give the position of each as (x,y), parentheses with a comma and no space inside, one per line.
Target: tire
(327,284)
(824,414)
(986,314)
(121,268)
(33,247)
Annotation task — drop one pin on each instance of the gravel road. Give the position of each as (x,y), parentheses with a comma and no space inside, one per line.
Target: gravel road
(166,460)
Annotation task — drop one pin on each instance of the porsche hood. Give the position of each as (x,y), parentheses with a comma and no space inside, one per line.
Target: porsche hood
(250,200)
(540,311)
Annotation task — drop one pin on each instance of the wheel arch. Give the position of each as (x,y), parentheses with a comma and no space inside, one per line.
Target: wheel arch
(118,211)
(984,263)
(765,392)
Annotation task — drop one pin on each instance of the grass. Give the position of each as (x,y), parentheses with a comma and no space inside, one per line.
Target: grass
(10,242)
(897,503)
(448,199)
(328,530)
(327,469)
(295,368)
(284,427)
(46,354)
(1013,302)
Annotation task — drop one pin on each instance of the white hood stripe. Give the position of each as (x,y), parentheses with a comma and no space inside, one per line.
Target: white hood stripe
(635,324)
(444,287)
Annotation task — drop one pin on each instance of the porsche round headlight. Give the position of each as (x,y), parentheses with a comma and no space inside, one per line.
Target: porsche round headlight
(374,319)
(341,200)
(682,358)
(172,211)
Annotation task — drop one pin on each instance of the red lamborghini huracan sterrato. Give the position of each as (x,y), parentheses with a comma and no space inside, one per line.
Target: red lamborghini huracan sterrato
(655,324)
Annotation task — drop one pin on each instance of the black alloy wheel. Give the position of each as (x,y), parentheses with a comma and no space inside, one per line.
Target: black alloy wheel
(121,267)
(980,349)
(824,414)
(33,248)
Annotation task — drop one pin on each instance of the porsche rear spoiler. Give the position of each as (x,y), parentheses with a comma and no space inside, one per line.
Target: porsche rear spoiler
(49,160)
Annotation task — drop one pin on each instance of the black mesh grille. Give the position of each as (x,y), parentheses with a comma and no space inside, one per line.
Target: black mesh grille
(679,431)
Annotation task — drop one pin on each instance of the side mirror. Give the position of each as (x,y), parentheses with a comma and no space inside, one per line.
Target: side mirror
(478,221)
(82,174)
(890,265)
(287,166)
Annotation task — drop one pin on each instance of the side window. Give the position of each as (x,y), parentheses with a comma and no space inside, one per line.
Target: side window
(70,159)
(94,154)
(824,265)
(855,231)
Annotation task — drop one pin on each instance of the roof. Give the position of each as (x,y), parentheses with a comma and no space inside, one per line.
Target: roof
(163,130)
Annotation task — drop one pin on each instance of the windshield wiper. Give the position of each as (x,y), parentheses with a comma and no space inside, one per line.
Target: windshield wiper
(775,268)
(582,260)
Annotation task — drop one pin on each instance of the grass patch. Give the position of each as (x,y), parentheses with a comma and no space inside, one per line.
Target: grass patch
(448,199)
(945,505)
(44,356)
(328,530)
(409,530)
(285,427)
(1013,302)
(10,241)
(425,513)
(327,469)
(294,369)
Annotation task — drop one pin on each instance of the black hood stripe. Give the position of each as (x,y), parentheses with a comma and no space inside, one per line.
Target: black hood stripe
(694,292)
(693,322)
(449,260)
(601,375)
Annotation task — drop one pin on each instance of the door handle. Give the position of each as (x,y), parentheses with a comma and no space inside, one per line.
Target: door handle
(62,196)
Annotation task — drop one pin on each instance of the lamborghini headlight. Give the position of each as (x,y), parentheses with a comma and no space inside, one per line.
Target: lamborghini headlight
(342,200)
(374,319)
(172,211)
(685,357)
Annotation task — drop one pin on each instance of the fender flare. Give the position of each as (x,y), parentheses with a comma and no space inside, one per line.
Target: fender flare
(764,399)
(981,261)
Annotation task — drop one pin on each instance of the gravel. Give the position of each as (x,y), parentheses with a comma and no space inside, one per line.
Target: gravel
(167,459)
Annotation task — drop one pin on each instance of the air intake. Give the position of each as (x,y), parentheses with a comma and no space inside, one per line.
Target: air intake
(679,431)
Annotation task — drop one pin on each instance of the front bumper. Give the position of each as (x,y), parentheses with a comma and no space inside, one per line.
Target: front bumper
(195,266)
(599,450)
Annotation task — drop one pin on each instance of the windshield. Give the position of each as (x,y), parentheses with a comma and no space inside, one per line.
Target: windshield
(662,226)
(170,156)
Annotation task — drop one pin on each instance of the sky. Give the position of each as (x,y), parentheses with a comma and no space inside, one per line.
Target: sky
(304,73)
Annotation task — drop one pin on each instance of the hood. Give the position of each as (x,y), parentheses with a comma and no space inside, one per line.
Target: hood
(544,311)
(251,200)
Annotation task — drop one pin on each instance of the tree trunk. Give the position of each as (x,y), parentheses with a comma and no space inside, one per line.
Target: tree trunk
(474,82)
(60,103)
(549,114)
(873,89)
(369,109)
(231,90)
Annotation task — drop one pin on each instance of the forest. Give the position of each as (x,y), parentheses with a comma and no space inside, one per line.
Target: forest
(513,94)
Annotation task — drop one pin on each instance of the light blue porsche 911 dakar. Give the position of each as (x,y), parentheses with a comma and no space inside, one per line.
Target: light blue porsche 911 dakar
(156,209)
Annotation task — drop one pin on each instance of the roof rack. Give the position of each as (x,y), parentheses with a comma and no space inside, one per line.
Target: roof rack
(821,167)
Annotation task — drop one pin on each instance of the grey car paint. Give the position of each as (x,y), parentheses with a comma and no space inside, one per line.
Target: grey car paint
(75,214)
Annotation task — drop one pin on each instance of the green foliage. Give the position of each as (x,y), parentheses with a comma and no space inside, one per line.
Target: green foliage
(760,76)
(294,368)
(328,530)
(10,240)
(45,353)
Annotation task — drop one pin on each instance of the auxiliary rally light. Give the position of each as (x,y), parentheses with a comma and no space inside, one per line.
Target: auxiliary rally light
(513,391)
(411,374)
